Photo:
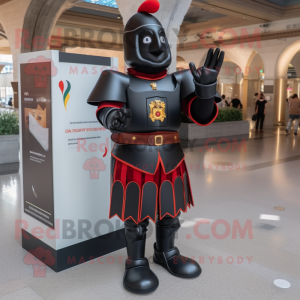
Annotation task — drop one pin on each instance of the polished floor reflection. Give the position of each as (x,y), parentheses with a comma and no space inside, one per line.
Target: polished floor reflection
(244,230)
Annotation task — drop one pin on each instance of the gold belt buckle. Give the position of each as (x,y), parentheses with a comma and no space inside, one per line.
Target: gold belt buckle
(158,140)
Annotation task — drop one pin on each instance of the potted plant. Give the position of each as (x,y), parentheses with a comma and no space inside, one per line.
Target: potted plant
(9,138)
(229,115)
(229,122)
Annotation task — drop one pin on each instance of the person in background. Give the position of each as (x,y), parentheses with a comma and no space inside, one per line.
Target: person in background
(225,101)
(294,110)
(10,102)
(236,103)
(255,98)
(221,104)
(228,99)
(260,111)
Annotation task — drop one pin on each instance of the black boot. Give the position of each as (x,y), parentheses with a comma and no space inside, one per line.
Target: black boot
(167,255)
(138,277)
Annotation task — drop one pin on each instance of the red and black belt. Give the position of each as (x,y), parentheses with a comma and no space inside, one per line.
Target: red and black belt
(152,139)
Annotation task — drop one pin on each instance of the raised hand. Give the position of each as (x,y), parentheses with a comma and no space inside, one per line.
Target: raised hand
(121,120)
(208,74)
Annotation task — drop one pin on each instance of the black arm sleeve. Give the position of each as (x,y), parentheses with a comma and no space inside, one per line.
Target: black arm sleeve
(111,86)
(104,116)
(198,100)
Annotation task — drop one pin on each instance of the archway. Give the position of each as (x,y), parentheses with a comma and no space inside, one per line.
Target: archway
(281,82)
(254,83)
(181,64)
(294,75)
(39,20)
(4,43)
(6,68)
(229,80)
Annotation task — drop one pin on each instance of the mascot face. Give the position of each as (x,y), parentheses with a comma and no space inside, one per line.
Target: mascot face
(146,47)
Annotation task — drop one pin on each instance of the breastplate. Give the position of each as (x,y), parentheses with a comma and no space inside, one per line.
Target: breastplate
(154,110)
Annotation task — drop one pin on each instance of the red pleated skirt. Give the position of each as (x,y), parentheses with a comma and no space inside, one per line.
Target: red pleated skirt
(138,195)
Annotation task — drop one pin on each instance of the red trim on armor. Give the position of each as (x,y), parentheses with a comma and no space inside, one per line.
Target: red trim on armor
(109,104)
(137,177)
(142,204)
(184,171)
(186,107)
(160,176)
(191,193)
(177,212)
(124,205)
(160,160)
(145,76)
(116,214)
(149,178)
(123,174)
(174,203)
(132,166)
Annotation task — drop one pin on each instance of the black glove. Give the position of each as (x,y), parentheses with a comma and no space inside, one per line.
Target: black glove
(119,120)
(208,74)
(203,110)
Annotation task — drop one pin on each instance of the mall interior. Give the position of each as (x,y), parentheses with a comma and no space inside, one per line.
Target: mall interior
(59,238)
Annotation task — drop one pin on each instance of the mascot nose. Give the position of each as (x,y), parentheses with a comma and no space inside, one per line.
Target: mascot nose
(156,47)
(156,51)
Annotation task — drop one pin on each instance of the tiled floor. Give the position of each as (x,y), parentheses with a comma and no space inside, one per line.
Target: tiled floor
(230,187)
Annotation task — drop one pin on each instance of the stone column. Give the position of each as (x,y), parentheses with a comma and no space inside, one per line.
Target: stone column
(295,87)
(12,16)
(170,14)
(280,95)
(270,86)
(245,96)
(236,90)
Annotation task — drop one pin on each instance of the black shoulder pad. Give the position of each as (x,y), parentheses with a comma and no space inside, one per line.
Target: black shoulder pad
(111,86)
(186,81)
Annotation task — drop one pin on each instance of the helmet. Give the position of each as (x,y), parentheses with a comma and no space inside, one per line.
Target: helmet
(146,47)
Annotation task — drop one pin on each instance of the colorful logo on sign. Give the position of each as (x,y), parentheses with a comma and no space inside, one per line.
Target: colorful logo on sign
(65,93)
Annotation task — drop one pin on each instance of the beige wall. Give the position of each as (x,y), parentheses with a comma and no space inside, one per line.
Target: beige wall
(101,52)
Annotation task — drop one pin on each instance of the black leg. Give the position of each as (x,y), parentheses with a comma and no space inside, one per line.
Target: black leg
(262,121)
(138,277)
(167,255)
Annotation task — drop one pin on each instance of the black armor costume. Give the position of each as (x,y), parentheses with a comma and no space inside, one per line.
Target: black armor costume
(143,111)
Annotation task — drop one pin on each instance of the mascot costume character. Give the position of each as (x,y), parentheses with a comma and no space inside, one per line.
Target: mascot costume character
(149,177)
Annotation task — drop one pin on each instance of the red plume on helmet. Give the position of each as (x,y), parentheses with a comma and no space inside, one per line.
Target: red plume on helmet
(149,6)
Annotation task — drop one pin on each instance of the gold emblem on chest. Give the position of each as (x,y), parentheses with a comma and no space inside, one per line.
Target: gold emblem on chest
(157,111)
(153,86)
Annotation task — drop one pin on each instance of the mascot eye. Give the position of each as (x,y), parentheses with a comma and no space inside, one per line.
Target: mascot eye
(36,68)
(162,39)
(147,40)
(45,68)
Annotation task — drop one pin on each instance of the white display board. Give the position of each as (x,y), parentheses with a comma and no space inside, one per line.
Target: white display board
(78,154)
